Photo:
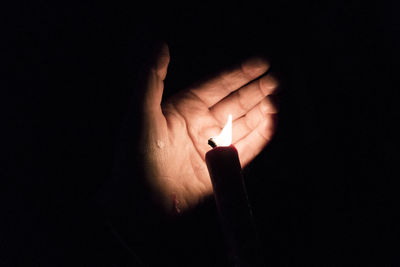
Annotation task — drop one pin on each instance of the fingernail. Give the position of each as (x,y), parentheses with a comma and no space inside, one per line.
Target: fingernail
(256,62)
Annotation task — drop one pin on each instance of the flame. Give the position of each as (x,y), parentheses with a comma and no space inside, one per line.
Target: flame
(225,137)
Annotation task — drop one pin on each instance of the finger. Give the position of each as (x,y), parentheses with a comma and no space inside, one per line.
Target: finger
(162,61)
(212,91)
(251,145)
(244,99)
(155,84)
(247,123)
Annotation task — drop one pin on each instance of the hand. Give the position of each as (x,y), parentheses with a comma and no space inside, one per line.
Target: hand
(175,132)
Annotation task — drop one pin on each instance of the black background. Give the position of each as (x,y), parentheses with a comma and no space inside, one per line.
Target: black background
(324,191)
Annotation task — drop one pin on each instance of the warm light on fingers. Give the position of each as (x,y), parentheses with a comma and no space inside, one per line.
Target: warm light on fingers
(225,137)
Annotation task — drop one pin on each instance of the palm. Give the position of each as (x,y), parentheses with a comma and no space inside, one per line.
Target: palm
(176,132)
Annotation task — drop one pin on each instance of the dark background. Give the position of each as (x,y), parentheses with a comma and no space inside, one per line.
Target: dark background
(324,191)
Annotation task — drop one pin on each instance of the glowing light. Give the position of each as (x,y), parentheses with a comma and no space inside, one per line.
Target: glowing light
(225,137)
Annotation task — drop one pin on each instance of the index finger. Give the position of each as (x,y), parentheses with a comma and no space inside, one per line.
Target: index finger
(215,89)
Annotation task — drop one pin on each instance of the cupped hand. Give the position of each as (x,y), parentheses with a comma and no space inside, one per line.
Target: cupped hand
(175,132)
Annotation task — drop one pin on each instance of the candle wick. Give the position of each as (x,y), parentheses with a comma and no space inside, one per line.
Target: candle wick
(212,143)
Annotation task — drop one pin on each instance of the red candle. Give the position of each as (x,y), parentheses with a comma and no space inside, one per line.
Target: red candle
(231,199)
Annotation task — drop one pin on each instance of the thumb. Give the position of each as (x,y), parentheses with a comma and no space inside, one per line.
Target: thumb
(155,79)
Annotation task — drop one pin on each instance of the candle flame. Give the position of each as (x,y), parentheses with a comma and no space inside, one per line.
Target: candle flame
(225,137)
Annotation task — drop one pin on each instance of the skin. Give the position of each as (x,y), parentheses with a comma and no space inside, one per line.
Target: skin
(175,132)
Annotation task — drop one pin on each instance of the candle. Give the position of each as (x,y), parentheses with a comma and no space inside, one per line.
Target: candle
(231,199)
